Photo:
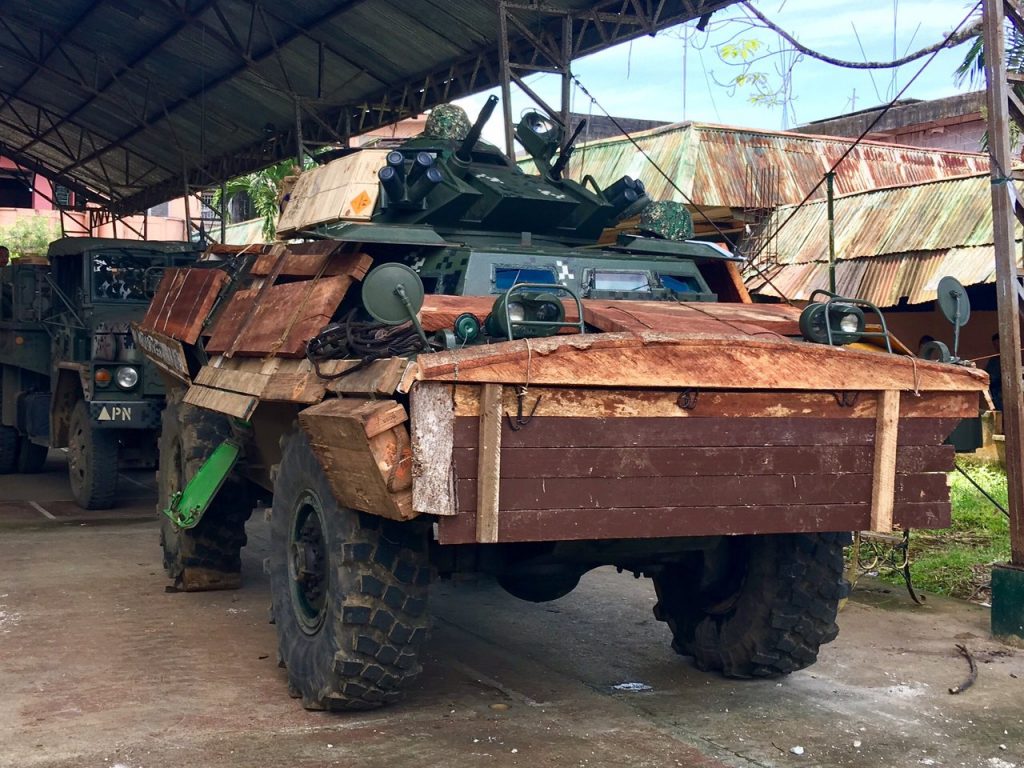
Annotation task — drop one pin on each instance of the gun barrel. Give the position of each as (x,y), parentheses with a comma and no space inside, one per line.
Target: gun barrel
(465,150)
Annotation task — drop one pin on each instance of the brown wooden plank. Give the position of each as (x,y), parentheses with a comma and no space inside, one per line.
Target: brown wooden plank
(558,432)
(230,319)
(166,353)
(381,377)
(487,483)
(727,491)
(326,257)
(289,314)
(231,403)
(364,449)
(430,426)
(183,302)
(632,523)
(883,483)
(439,312)
(662,360)
(571,401)
(701,462)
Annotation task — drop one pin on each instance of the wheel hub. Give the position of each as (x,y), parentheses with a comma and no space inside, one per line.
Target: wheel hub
(307,564)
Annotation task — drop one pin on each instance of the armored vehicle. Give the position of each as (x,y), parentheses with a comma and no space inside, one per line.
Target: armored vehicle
(71,374)
(443,372)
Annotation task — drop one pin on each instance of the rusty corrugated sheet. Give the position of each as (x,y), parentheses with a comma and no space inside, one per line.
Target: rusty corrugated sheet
(710,163)
(883,280)
(931,216)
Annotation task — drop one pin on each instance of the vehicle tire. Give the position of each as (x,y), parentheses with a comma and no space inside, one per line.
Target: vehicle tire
(762,606)
(92,461)
(208,556)
(8,450)
(31,457)
(349,591)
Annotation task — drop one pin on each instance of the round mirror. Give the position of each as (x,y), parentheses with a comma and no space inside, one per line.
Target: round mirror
(392,293)
(953,301)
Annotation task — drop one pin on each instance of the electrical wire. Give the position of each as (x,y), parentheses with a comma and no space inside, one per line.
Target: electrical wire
(363,341)
(862,136)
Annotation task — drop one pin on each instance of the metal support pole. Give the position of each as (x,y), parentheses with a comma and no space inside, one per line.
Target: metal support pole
(223,211)
(300,150)
(1006,270)
(830,179)
(506,78)
(566,76)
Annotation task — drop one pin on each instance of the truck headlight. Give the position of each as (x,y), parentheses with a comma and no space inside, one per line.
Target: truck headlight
(126,377)
(530,315)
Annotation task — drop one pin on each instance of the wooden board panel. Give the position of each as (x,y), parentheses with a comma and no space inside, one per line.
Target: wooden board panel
(166,353)
(365,452)
(430,426)
(883,482)
(328,260)
(229,321)
(487,483)
(231,403)
(566,401)
(344,188)
(630,523)
(182,302)
(289,314)
(557,432)
(675,360)
(700,462)
(439,312)
(735,491)
(381,377)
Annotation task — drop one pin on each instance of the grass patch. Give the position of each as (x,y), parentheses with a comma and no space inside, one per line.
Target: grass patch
(958,561)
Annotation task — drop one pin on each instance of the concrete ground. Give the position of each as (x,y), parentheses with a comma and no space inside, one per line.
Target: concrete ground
(100,666)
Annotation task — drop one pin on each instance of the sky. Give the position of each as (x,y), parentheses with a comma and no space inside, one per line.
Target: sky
(680,75)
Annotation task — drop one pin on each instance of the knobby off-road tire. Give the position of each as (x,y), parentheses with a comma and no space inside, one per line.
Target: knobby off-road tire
(92,461)
(349,591)
(8,450)
(769,616)
(208,556)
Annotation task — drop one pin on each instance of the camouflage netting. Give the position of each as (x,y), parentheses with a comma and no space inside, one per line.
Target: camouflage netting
(667,220)
(447,121)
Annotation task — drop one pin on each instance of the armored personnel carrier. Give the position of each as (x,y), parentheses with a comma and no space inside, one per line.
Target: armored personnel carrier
(442,372)
(70,374)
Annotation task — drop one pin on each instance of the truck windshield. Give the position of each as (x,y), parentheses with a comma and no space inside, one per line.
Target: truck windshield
(121,276)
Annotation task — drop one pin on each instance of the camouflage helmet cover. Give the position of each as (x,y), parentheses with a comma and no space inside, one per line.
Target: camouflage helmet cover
(667,219)
(447,121)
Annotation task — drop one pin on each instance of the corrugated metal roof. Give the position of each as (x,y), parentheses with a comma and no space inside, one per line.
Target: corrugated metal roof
(124,101)
(710,163)
(891,244)
(884,280)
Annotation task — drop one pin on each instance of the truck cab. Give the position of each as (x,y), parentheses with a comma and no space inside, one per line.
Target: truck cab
(71,374)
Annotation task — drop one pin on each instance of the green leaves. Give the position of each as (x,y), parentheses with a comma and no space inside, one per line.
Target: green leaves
(29,235)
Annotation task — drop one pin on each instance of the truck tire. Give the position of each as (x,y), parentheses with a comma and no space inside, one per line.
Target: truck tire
(208,556)
(92,461)
(768,607)
(349,591)
(8,450)
(31,457)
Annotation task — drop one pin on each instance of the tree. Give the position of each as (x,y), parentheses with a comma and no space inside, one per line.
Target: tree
(263,188)
(29,235)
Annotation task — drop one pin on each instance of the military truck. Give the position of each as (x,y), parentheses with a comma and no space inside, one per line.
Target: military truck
(455,367)
(70,374)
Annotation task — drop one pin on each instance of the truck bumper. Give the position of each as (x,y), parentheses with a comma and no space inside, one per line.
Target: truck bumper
(131,414)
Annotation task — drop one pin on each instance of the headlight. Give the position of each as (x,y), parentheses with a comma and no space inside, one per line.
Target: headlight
(850,323)
(126,377)
(516,312)
(845,321)
(529,316)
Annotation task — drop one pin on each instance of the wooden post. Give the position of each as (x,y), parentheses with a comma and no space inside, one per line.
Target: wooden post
(1006,269)
(883,480)
(488,464)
